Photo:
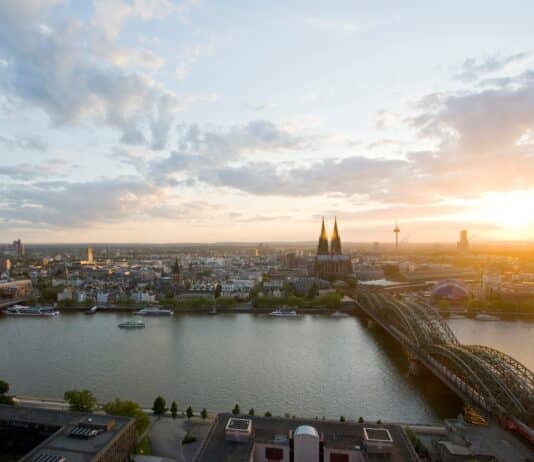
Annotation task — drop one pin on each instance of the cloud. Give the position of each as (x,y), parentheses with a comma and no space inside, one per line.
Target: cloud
(66,73)
(30,172)
(335,25)
(258,107)
(191,55)
(473,69)
(386,119)
(29,143)
(212,147)
(110,15)
(482,142)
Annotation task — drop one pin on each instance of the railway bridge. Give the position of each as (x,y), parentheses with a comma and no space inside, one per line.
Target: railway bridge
(481,376)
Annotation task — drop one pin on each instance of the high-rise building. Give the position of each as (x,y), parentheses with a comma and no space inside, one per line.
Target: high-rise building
(5,265)
(90,256)
(19,248)
(463,243)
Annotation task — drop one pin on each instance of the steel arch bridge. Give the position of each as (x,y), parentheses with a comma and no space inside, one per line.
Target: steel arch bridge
(480,375)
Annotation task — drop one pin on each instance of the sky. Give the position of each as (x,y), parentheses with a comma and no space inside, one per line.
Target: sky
(210,121)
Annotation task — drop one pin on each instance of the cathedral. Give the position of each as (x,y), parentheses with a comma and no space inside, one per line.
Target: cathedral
(330,262)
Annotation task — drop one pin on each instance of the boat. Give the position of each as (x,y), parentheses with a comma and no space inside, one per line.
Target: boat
(486,317)
(213,310)
(20,310)
(456,316)
(284,313)
(339,314)
(154,312)
(132,325)
(92,310)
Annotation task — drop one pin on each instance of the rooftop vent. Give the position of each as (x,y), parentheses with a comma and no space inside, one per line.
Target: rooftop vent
(49,458)
(84,432)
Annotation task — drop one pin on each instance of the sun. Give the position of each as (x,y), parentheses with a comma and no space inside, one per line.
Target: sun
(512,210)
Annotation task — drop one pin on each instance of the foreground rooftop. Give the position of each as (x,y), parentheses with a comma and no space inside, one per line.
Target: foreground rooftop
(268,433)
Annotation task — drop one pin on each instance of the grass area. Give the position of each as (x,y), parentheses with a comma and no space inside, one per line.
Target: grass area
(144,447)
(188,438)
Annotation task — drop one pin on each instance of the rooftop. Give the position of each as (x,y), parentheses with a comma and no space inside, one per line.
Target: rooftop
(276,430)
(74,448)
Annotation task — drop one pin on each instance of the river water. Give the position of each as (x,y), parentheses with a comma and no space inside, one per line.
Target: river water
(308,366)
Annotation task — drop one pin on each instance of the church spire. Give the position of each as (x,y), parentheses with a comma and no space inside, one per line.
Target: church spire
(322,247)
(335,242)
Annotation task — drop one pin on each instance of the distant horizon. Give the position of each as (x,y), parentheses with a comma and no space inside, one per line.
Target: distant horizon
(288,242)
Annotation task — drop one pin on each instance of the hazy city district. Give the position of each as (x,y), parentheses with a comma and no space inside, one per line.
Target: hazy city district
(286,351)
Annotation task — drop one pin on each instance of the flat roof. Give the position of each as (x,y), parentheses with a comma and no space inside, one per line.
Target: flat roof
(339,435)
(60,443)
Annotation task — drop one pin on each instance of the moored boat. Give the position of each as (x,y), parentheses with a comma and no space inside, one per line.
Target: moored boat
(283,313)
(339,314)
(486,317)
(92,310)
(456,316)
(154,312)
(20,310)
(132,325)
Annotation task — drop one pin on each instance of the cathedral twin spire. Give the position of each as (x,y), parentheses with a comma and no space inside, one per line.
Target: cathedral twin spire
(335,241)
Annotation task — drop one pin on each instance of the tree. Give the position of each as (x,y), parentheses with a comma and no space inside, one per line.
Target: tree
(204,414)
(130,409)
(4,387)
(80,400)
(159,406)
(174,409)
(251,411)
(218,290)
(189,412)
(268,414)
(360,420)
(342,419)
(236,410)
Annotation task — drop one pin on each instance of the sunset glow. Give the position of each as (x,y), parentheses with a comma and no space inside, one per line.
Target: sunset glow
(186,121)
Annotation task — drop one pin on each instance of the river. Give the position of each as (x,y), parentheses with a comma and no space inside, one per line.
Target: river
(308,366)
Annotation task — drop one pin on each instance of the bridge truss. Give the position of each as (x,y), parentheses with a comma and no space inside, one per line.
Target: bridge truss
(483,375)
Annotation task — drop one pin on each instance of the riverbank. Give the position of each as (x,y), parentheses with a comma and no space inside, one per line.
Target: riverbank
(238,308)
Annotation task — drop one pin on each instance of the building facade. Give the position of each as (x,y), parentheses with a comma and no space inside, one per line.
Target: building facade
(330,261)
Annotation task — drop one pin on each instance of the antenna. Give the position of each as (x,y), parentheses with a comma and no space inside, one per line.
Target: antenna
(396,230)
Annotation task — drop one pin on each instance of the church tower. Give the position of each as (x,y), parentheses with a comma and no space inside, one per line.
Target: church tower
(335,242)
(322,247)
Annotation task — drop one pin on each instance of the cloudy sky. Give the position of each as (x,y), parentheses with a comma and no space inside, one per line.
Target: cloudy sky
(211,120)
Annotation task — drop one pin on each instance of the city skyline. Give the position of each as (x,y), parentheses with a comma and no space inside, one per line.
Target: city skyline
(164,122)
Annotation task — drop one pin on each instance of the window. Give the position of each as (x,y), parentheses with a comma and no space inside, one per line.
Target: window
(339,457)
(274,453)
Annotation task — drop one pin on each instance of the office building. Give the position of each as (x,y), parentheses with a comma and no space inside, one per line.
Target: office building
(59,436)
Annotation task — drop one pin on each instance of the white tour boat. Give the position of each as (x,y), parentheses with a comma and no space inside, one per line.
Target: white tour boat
(284,313)
(20,310)
(155,312)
